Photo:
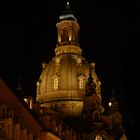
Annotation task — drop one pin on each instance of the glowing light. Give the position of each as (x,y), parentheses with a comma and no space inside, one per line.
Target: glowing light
(70,37)
(68,3)
(25,100)
(31,104)
(81,84)
(98,137)
(59,38)
(57,60)
(56,83)
(79,60)
(93,65)
(109,103)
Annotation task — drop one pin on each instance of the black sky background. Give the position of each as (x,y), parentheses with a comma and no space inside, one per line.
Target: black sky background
(108,36)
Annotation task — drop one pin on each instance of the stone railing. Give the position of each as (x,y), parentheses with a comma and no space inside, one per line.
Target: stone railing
(62,94)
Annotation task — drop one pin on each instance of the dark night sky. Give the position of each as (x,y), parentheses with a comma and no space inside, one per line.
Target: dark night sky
(108,34)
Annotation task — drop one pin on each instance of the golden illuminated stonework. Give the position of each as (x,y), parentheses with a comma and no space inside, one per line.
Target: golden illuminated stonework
(61,86)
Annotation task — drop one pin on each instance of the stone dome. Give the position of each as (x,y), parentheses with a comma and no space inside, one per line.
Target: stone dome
(62,83)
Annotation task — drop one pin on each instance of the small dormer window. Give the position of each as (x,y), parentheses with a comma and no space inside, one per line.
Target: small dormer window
(81,82)
(98,137)
(56,82)
(79,60)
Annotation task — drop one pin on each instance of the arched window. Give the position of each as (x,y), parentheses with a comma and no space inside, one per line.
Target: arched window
(56,82)
(81,82)
(98,137)
(64,35)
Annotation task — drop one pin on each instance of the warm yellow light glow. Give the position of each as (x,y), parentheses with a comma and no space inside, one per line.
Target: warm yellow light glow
(51,136)
(93,65)
(57,60)
(81,83)
(25,100)
(31,104)
(70,37)
(98,137)
(67,2)
(44,65)
(109,103)
(56,83)
(79,60)
(59,38)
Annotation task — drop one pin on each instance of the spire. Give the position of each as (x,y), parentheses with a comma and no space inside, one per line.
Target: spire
(90,87)
(90,79)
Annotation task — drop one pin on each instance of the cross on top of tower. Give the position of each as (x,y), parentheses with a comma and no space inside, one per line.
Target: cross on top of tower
(68,3)
(67,14)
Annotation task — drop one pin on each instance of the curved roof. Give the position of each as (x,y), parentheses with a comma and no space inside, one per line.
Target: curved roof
(65,67)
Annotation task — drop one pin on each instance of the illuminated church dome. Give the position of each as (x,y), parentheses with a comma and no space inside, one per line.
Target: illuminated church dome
(62,83)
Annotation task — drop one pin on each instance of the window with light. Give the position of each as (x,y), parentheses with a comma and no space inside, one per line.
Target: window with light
(56,83)
(98,137)
(81,82)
